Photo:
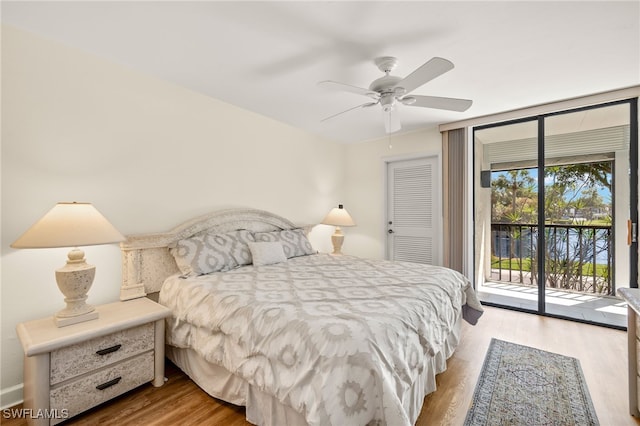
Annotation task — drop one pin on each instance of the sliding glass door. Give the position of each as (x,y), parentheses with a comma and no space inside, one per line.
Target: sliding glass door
(552,201)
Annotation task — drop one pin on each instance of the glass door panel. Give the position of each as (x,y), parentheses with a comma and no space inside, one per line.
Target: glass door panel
(506,194)
(585,169)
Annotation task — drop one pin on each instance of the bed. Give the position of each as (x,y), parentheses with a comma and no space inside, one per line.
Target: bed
(260,319)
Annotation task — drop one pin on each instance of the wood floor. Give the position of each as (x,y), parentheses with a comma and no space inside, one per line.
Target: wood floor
(602,353)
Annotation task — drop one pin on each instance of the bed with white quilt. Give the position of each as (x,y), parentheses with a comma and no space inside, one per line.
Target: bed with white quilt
(260,319)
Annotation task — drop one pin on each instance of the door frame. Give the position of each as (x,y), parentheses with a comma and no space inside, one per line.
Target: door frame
(633,192)
(437,195)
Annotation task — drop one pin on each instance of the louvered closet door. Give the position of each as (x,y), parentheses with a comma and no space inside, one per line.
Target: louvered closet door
(413,232)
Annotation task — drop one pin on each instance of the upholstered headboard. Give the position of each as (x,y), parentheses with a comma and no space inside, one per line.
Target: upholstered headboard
(147,262)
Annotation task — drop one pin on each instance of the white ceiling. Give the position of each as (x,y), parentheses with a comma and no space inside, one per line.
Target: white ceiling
(268,56)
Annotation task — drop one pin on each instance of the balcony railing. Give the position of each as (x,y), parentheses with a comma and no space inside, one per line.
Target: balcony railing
(577,257)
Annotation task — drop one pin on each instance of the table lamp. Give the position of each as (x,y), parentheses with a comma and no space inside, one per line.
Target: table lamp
(72,225)
(338,216)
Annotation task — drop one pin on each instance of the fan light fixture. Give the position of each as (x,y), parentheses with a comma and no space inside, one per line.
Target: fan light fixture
(72,225)
(387,102)
(338,216)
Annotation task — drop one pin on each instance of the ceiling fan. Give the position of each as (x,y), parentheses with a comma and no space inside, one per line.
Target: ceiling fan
(389,90)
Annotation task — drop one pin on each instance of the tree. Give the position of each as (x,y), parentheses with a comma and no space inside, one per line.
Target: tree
(586,175)
(513,196)
(592,202)
(575,187)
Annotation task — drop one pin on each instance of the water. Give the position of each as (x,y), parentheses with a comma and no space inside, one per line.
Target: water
(556,247)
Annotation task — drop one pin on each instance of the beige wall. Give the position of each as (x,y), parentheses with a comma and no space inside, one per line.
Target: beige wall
(148,154)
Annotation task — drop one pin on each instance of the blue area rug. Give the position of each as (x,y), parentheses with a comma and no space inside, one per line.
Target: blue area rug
(519,385)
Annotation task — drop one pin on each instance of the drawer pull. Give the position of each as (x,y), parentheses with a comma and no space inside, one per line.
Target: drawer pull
(108,350)
(109,383)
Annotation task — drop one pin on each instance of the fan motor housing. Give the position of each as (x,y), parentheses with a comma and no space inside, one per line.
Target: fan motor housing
(385,84)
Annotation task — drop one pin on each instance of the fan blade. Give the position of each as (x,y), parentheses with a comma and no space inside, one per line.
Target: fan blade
(391,121)
(334,85)
(451,104)
(426,72)
(366,105)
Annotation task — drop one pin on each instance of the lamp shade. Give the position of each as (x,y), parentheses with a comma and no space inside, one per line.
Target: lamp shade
(69,225)
(338,216)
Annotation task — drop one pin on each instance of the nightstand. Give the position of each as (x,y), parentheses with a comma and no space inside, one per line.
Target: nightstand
(70,369)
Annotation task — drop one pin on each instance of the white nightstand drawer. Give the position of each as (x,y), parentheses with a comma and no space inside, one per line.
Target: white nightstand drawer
(87,392)
(81,358)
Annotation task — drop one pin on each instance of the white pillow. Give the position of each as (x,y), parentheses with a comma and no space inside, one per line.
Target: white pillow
(267,253)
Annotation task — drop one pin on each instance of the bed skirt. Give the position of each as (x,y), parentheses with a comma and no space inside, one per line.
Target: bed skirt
(265,410)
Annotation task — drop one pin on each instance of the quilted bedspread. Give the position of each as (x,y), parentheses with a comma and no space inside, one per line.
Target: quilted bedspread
(337,338)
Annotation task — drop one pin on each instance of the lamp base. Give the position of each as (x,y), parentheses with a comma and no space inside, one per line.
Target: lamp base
(74,281)
(65,321)
(337,239)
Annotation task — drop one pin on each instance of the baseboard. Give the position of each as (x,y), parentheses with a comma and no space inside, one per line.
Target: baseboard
(10,397)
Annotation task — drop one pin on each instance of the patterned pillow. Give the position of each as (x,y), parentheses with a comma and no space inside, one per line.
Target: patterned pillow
(241,252)
(207,253)
(267,253)
(294,242)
